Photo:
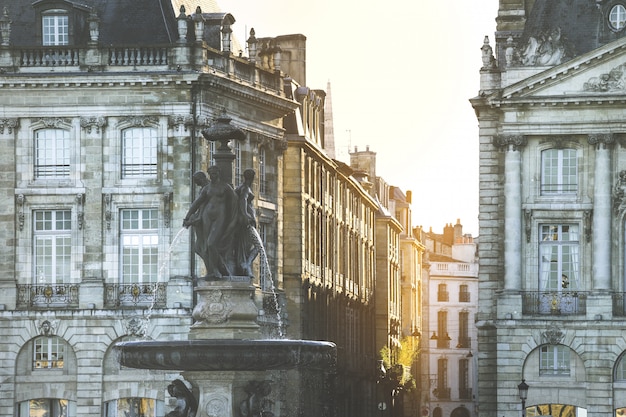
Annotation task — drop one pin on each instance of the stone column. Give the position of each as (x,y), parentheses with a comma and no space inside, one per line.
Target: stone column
(512,211)
(602,211)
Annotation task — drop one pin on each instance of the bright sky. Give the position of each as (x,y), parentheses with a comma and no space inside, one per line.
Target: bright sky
(402,73)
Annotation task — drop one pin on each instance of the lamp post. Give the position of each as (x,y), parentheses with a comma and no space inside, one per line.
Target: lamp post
(523,394)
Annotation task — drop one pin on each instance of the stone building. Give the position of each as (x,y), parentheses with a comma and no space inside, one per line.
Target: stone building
(552,231)
(449,367)
(102,106)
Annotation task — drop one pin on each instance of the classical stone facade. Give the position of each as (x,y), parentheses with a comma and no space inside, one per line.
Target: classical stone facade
(102,107)
(552,273)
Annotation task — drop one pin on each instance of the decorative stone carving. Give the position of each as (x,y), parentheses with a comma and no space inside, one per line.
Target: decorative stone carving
(613,81)
(217,406)
(601,140)
(619,191)
(139,121)
(489,62)
(55,122)
(216,308)
(80,210)
(544,49)
(47,327)
(528,217)
(167,209)
(553,335)
(10,124)
(587,219)
(93,122)
(256,403)
(186,403)
(20,199)
(136,326)
(508,141)
(179,121)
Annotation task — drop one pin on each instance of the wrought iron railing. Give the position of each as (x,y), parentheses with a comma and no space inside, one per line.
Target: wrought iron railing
(554,302)
(443,393)
(136,295)
(465,393)
(47,296)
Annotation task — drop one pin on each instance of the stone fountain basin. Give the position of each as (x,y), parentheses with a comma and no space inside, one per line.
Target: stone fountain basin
(228,355)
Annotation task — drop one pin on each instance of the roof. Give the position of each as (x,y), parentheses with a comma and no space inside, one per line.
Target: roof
(579,25)
(121,21)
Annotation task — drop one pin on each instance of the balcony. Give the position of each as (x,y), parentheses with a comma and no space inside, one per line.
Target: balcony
(149,295)
(464,297)
(557,303)
(443,393)
(443,296)
(47,296)
(465,393)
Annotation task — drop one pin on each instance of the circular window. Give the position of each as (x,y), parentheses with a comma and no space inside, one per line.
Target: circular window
(617,17)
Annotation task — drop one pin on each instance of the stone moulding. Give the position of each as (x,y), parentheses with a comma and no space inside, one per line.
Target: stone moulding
(228,355)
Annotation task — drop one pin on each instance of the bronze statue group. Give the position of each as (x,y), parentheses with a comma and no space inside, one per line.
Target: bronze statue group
(221,218)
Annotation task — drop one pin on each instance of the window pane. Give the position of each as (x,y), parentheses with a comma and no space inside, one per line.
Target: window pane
(139,147)
(52,153)
(559,257)
(139,246)
(52,245)
(559,171)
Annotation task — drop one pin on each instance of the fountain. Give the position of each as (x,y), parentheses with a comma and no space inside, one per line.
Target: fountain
(228,368)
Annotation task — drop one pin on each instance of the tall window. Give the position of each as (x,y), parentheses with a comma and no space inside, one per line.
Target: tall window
(442,378)
(49,407)
(554,360)
(464,339)
(443,341)
(559,257)
(55,29)
(464,294)
(442,292)
(134,407)
(139,152)
(262,173)
(52,153)
(48,352)
(52,246)
(139,246)
(620,369)
(465,391)
(559,171)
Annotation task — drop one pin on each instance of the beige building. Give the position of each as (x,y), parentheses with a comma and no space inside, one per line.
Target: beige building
(449,351)
(552,273)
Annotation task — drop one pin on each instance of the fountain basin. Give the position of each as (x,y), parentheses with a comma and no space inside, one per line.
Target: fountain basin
(228,355)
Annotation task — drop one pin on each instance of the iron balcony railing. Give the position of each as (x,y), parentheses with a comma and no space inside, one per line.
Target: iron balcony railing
(47,296)
(148,295)
(554,302)
(443,393)
(465,393)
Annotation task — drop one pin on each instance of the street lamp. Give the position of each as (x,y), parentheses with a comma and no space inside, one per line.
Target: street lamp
(523,394)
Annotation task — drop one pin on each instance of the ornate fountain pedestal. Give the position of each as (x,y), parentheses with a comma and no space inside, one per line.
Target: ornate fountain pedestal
(225,309)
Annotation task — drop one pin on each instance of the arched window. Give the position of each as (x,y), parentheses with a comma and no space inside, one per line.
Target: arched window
(48,353)
(554,360)
(52,153)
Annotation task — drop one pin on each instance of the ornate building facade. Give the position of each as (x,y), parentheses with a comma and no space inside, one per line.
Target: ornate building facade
(102,106)
(552,230)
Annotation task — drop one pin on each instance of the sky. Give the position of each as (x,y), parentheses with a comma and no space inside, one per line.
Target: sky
(401,73)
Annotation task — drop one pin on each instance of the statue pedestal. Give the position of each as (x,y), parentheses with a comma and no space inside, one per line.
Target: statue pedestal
(225,309)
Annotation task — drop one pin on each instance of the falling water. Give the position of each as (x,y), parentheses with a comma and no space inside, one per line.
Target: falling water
(160,277)
(267,276)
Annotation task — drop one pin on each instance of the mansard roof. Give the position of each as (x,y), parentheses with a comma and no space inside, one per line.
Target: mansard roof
(121,21)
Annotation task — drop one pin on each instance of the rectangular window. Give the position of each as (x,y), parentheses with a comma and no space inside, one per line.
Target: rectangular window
(464,339)
(48,407)
(52,246)
(135,407)
(443,341)
(238,173)
(52,153)
(559,171)
(55,30)
(48,353)
(139,153)
(464,294)
(442,390)
(554,360)
(559,257)
(465,391)
(442,293)
(139,246)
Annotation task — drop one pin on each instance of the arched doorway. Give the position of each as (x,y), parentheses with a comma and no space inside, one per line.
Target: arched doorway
(460,412)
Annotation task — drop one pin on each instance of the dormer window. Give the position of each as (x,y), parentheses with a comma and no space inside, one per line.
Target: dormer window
(55,27)
(617,17)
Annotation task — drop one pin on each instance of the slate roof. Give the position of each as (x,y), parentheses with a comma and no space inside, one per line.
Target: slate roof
(583,24)
(134,22)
